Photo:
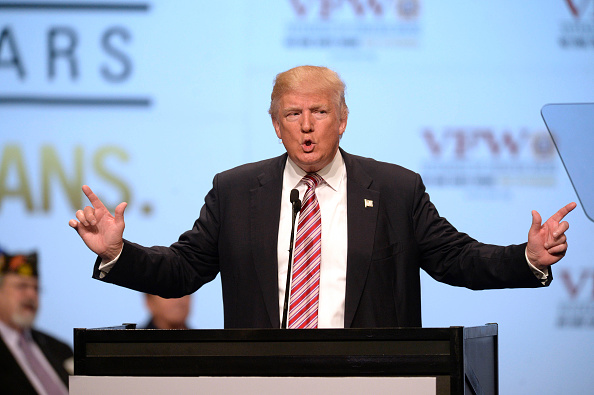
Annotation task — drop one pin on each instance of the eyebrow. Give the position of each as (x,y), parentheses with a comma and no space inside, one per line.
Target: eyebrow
(291,109)
(316,106)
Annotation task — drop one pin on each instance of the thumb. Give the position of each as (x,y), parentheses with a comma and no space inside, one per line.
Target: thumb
(536,221)
(119,212)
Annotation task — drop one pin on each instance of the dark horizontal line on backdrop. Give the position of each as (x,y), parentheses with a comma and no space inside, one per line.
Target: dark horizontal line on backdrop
(76,101)
(74,6)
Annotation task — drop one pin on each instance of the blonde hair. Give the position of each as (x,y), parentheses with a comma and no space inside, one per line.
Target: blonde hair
(308,78)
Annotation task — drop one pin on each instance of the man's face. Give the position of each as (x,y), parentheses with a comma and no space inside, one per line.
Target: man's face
(19,300)
(309,124)
(169,313)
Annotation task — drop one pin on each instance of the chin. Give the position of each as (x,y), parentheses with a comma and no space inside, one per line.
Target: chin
(310,163)
(23,320)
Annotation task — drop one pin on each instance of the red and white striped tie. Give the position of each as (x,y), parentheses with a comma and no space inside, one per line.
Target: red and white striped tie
(305,277)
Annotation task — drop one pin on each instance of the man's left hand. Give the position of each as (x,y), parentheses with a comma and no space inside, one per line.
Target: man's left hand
(547,242)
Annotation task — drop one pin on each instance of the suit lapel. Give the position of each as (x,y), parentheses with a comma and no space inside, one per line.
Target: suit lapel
(362,212)
(265,201)
(16,380)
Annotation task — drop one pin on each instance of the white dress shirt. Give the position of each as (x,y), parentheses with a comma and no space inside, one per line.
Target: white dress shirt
(332,197)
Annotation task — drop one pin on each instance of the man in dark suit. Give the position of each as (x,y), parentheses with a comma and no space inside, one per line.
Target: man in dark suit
(378,228)
(30,361)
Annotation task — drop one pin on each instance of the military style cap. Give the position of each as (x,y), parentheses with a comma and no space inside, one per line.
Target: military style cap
(25,265)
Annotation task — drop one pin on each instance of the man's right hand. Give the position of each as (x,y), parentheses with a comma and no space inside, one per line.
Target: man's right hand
(101,231)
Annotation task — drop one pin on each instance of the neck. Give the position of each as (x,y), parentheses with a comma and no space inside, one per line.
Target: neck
(10,325)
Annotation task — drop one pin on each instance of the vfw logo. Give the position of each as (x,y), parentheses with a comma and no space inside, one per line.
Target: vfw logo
(579,284)
(580,8)
(353,24)
(577,307)
(462,143)
(577,33)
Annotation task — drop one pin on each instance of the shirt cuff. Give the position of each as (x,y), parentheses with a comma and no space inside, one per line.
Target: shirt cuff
(105,267)
(543,276)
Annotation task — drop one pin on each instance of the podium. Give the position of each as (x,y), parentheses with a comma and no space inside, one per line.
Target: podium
(457,360)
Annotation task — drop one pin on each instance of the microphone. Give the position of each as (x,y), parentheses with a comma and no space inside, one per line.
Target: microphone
(296,203)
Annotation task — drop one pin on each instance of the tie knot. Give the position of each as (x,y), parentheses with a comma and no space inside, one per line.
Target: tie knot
(312,180)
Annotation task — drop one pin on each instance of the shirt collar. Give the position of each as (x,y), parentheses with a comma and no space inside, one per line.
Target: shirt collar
(11,335)
(333,173)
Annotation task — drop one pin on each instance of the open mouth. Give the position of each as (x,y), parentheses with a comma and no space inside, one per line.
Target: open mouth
(29,307)
(308,146)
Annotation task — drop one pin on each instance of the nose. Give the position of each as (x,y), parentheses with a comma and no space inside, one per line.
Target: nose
(307,122)
(32,292)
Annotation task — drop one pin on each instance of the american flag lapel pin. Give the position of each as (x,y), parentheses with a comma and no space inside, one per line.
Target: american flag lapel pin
(368,203)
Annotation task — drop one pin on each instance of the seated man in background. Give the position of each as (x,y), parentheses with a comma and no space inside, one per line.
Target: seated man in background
(30,361)
(167,313)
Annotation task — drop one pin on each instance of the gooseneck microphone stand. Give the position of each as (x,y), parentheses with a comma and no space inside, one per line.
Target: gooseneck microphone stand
(296,203)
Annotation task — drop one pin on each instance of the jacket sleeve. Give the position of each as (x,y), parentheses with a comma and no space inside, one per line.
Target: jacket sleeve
(177,270)
(457,259)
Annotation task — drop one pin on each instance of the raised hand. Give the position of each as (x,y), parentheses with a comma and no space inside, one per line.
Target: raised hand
(547,243)
(101,231)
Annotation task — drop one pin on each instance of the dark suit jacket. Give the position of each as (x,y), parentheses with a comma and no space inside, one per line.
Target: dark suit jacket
(236,236)
(12,378)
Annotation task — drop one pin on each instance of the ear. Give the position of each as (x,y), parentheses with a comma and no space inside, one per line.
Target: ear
(276,125)
(343,124)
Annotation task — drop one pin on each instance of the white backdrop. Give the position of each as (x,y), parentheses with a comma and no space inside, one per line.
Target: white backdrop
(147,101)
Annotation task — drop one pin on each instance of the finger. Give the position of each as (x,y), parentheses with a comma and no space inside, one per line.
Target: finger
(560,249)
(73,223)
(555,242)
(119,212)
(536,221)
(559,215)
(80,215)
(561,229)
(92,197)
(90,215)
